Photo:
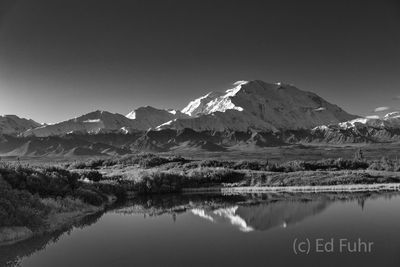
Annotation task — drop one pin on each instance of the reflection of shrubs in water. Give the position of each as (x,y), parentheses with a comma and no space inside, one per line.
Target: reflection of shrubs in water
(11,254)
(178,203)
(154,205)
(167,182)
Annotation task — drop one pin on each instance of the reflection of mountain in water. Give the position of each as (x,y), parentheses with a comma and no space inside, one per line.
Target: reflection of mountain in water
(259,212)
(225,215)
(265,216)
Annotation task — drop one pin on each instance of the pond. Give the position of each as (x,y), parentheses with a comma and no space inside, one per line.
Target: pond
(335,229)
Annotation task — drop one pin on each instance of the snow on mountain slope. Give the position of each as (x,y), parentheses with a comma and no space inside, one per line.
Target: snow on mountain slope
(93,122)
(12,124)
(260,106)
(361,130)
(149,117)
(141,119)
(390,120)
(199,105)
(219,121)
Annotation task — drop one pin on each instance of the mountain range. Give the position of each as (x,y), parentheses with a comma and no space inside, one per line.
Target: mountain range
(250,114)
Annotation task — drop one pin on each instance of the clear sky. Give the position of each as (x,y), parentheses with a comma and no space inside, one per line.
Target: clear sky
(62,58)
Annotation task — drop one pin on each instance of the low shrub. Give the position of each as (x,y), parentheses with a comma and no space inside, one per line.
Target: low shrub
(385,164)
(57,182)
(251,165)
(93,176)
(20,208)
(90,196)
(216,164)
(159,182)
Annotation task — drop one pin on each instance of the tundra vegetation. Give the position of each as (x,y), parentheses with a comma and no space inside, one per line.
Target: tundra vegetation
(30,194)
(151,173)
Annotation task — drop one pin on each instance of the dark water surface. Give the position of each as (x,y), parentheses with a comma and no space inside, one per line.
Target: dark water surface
(250,230)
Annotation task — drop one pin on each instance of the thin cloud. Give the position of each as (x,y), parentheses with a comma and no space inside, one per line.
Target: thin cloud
(396,97)
(372,117)
(378,109)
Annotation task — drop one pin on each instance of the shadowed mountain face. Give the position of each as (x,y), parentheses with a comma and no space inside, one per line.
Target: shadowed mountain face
(11,124)
(186,140)
(56,146)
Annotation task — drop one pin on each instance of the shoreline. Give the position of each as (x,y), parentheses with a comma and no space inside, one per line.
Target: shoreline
(299,189)
(15,234)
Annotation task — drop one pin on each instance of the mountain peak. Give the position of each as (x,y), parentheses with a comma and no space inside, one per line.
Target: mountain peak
(262,106)
(246,105)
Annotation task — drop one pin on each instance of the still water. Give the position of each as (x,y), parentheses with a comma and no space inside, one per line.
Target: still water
(214,230)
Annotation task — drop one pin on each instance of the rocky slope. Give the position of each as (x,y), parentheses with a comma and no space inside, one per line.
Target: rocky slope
(55,146)
(12,124)
(149,117)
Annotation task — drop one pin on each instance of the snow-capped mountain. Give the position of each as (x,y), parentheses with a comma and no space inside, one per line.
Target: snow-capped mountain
(390,120)
(248,116)
(13,125)
(149,117)
(361,130)
(253,105)
(257,105)
(141,119)
(93,122)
